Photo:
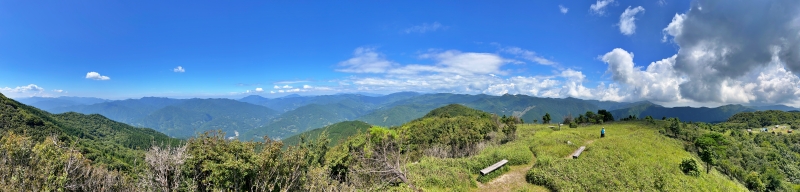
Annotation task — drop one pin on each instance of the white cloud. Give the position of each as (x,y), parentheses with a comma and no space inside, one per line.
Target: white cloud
(675,27)
(179,69)
(723,60)
(528,55)
(96,76)
(23,89)
(276,87)
(306,87)
(259,89)
(272,92)
(293,90)
(600,7)
(424,28)
(286,87)
(659,82)
(456,62)
(281,91)
(365,60)
(627,21)
(563,9)
(59,91)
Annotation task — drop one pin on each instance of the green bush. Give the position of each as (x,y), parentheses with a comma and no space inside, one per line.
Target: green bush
(573,125)
(689,167)
(753,182)
(538,177)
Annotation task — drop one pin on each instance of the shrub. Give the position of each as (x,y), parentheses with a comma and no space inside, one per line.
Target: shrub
(573,125)
(689,167)
(538,177)
(753,182)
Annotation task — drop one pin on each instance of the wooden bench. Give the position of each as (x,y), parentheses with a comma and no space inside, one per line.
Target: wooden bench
(491,168)
(578,152)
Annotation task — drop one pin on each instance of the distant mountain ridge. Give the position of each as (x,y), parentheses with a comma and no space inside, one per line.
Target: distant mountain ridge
(255,116)
(701,114)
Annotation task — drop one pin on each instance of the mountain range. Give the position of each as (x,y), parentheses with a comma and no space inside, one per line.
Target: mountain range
(254,117)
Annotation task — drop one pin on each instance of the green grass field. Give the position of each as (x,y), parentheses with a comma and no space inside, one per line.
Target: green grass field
(632,157)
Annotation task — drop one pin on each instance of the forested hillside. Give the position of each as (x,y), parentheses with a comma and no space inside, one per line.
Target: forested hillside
(106,142)
(126,111)
(50,103)
(336,133)
(305,118)
(194,116)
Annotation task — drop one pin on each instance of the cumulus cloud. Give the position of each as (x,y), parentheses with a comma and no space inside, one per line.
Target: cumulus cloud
(720,57)
(365,60)
(600,7)
(23,89)
(306,87)
(658,82)
(59,91)
(259,89)
(96,76)
(286,87)
(179,69)
(627,21)
(276,87)
(563,9)
(424,28)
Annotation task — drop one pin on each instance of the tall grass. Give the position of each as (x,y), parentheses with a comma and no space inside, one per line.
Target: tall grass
(461,174)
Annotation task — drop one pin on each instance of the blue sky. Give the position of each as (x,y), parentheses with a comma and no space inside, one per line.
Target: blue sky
(234,49)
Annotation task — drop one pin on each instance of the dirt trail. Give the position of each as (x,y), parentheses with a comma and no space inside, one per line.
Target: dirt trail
(512,180)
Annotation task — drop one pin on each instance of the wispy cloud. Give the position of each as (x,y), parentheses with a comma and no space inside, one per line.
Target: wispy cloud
(627,21)
(563,9)
(528,55)
(96,76)
(424,28)
(179,69)
(365,60)
(292,82)
(599,8)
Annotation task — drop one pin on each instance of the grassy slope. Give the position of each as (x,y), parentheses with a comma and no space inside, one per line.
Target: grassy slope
(631,157)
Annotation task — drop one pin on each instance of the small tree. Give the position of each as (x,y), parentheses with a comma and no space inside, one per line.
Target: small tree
(708,147)
(546,118)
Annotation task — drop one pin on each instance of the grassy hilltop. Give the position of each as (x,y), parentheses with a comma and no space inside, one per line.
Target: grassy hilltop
(632,157)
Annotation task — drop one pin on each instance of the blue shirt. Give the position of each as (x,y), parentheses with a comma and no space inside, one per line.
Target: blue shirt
(603,131)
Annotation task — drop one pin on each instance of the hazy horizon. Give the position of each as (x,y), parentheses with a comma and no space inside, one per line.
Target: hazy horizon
(673,53)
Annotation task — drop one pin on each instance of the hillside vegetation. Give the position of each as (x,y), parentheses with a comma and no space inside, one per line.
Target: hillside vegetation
(440,151)
(103,141)
(335,133)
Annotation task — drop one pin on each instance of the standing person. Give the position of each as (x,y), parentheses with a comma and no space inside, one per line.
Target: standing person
(603,132)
